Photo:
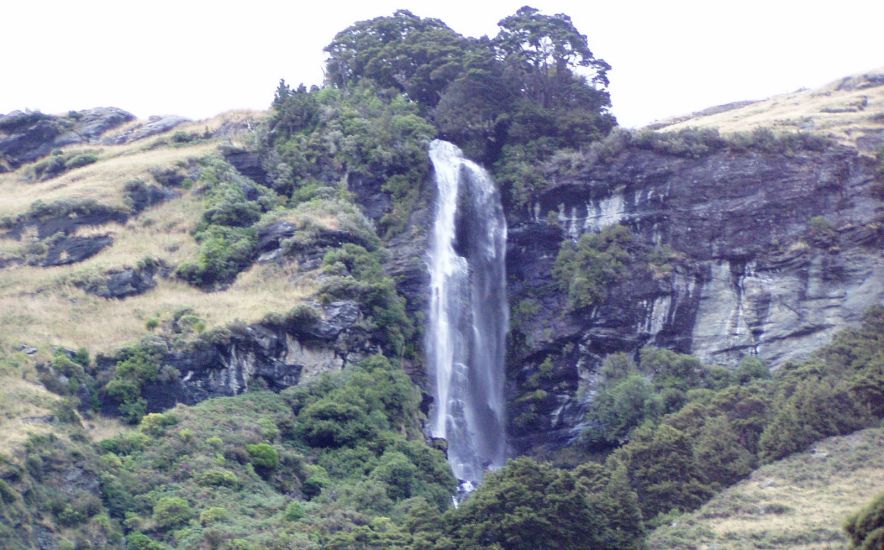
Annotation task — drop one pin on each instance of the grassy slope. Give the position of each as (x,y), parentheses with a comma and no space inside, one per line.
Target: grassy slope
(41,307)
(799,502)
(846,109)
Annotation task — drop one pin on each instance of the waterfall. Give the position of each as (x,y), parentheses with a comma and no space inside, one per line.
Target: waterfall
(468,316)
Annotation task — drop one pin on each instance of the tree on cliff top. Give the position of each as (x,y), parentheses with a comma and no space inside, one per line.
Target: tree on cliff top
(536,80)
(415,56)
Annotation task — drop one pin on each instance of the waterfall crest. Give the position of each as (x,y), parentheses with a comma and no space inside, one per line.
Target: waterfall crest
(468,316)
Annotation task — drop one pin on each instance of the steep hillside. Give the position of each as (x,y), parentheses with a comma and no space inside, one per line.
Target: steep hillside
(848,109)
(798,502)
(212,333)
(758,244)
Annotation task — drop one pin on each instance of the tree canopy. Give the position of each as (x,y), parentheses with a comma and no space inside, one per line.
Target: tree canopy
(536,80)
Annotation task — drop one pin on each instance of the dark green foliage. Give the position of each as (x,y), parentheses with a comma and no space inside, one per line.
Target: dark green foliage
(521,94)
(361,136)
(630,395)
(724,460)
(140,541)
(224,252)
(617,410)
(171,512)
(245,467)
(813,410)
(226,234)
(137,366)
(358,274)
(866,527)
(71,375)
(60,163)
(587,268)
(534,505)
(525,505)
(301,317)
(836,392)
(56,490)
(416,56)
(663,470)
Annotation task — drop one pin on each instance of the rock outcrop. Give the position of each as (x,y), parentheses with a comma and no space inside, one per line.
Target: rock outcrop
(28,136)
(771,253)
(126,281)
(272,354)
(153,126)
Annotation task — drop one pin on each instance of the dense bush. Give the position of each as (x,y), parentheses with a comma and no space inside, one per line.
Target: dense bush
(171,512)
(534,505)
(137,366)
(59,163)
(866,527)
(226,234)
(586,269)
(358,274)
(362,135)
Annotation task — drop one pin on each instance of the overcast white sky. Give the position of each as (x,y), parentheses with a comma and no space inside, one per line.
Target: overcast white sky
(199,58)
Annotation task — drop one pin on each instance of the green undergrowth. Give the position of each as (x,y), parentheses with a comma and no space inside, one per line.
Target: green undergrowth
(59,163)
(318,138)
(587,269)
(720,426)
(355,273)
(325,465)
(226,233)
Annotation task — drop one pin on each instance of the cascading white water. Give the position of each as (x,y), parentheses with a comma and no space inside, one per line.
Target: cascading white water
(468,315)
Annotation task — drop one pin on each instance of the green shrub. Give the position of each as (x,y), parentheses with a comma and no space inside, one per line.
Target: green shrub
(138,365)
(302,317)
(214,514)
(78,161)
(140,541)
(294,511)
(155,424)
(359,274)
(866,527)
(224,252)
(585,269)
(7,493)
(218,478)
(263,456)
(171,512)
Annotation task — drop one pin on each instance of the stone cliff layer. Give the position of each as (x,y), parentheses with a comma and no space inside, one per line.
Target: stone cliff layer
(770,253)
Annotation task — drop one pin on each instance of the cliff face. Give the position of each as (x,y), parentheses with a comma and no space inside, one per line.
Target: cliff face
(771,252)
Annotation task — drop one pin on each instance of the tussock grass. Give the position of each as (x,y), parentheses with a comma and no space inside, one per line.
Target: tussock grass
(24,407)
(102,181)
(800,502)
(843,109)
(64,315)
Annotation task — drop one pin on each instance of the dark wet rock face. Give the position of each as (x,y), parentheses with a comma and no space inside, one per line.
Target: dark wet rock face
(375,202)
(125,282)
(247,163)
(771,255)
(28,136)
(65,249)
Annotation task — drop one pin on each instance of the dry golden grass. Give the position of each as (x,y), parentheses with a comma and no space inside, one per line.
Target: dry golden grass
(842,109)
(800,502)
(103,181)
(104,427)
(24,406)
(43,307)
(60,314)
